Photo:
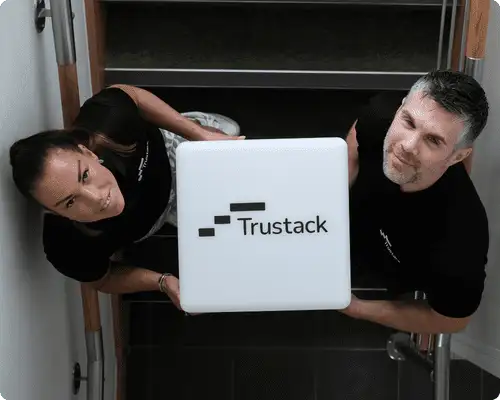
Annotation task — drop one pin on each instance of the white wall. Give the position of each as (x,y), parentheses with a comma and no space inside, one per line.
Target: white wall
(41,320)
(480,343)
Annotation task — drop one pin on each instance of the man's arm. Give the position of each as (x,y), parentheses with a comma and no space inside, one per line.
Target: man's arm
(409,316)
(160,114)
(352,153)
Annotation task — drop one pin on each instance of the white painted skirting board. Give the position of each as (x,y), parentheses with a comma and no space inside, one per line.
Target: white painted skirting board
(480,354)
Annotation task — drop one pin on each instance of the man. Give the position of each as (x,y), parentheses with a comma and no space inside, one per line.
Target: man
(416,219)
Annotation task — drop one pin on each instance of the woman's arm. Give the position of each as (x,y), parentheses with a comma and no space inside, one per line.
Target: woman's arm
(160,114)
(124,279)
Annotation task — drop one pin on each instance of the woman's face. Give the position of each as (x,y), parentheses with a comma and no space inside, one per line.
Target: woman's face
(75,185)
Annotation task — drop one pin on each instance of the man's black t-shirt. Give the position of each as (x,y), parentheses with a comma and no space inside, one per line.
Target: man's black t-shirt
(144,178)
(435,240)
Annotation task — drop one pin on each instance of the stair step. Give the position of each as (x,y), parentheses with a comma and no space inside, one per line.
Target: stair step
(408,3)
(261,79)
(339,47)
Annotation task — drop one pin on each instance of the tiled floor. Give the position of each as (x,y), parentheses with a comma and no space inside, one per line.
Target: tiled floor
(172,355)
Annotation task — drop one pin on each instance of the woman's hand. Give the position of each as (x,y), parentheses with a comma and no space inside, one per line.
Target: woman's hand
(171,285)
(216,134)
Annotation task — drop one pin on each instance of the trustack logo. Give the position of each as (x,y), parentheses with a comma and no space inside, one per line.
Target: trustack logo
(252,227)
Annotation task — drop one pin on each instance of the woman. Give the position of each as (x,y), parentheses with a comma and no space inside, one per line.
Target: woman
(110,182)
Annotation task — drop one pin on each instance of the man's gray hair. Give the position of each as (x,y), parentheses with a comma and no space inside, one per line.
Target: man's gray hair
(459,94)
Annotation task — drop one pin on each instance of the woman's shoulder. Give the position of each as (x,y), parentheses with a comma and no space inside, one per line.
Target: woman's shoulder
(74,253)
(61,232)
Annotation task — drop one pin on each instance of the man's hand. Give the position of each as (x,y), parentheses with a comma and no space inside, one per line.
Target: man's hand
(216,134)
(352,309)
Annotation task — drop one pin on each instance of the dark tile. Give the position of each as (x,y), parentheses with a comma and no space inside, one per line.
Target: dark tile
(414,382)
(465,381)
(124,324)
(156,296)
(184,374)
(137,378)
(139,329)
(269,329)
(490,386)
(336,330)
(167,325)
(355,375)
(274,375)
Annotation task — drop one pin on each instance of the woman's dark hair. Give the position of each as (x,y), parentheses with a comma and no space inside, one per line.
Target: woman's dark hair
(28,155)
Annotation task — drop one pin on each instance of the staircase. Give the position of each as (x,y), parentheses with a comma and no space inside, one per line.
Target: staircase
(281,68)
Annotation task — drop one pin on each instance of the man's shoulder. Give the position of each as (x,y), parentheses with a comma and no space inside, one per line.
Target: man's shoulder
(463,199)
(464,216)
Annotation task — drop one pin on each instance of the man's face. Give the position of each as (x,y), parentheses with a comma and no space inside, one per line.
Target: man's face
(420,143)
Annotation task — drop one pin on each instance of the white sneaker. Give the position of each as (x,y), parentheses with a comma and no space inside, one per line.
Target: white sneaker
(217,121)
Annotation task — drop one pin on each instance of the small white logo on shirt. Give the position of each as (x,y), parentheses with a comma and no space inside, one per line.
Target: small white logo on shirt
(143,164)
(388,245)
(1,398)
(1,1)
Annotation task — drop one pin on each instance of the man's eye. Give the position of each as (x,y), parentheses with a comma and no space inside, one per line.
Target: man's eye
(70,203)
(434,140)
(85,175)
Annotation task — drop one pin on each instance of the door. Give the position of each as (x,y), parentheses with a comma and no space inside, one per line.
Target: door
(42,323)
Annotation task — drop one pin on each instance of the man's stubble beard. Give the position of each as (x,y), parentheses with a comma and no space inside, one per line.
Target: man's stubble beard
(392,173)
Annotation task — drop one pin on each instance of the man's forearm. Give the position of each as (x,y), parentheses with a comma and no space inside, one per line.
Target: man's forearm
(123,279)
(160,114)
(412,316)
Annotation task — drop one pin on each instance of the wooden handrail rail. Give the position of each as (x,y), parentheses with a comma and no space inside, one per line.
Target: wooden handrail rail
(479,13)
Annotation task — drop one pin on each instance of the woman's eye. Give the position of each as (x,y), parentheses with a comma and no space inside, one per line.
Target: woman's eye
(70,203)
(85,175)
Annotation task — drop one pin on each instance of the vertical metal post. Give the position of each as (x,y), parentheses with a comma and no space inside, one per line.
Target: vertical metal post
(441,374)
(62,26)
(452,33)
(474,68)
(95,365)
(441,34)
(464,35)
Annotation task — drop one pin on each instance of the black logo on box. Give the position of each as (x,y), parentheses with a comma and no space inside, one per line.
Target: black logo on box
(252,227)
